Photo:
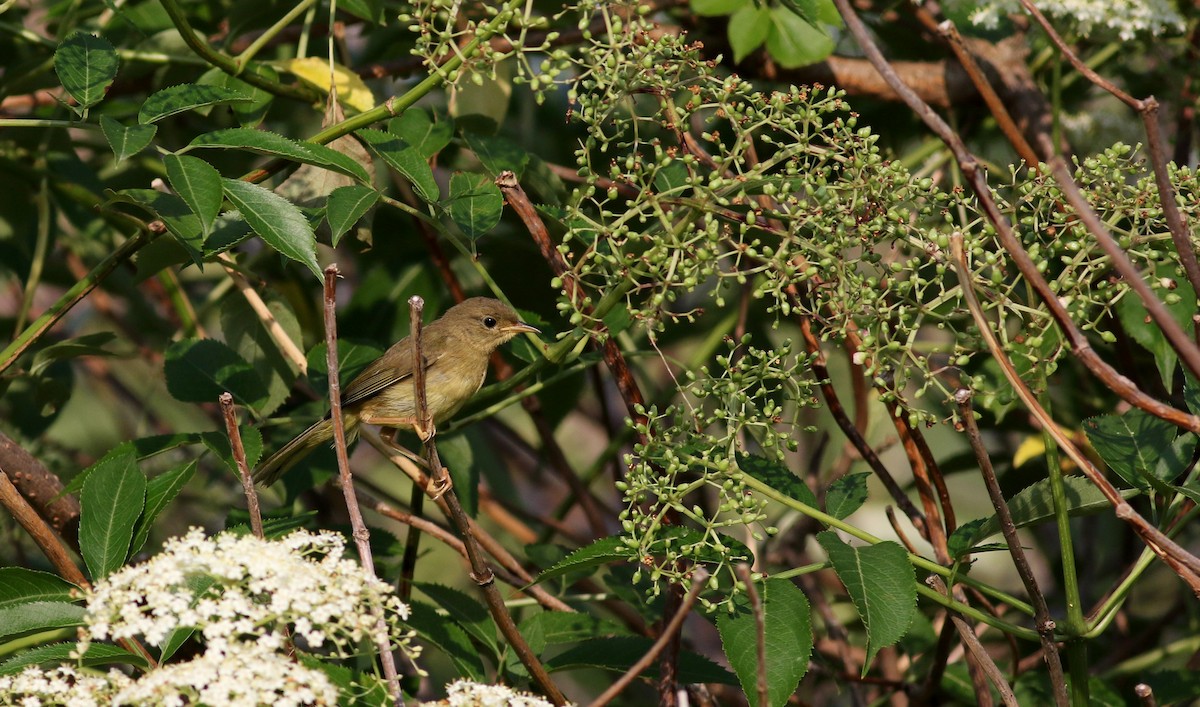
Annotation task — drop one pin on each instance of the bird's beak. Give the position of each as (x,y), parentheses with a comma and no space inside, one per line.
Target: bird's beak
(520,327)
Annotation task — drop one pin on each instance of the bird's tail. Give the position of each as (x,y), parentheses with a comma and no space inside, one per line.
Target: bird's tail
(275,466)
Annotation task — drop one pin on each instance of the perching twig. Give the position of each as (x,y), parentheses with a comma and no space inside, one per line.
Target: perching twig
(699,579)
(1045,624)
(481,573)
(362,536)
(239,459)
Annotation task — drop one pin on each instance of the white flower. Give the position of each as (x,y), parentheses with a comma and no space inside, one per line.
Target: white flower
(62,685)
(1128,17)
(247,675)
(464,693)
(238,589)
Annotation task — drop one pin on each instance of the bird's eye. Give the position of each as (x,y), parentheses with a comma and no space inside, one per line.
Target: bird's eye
(489,322)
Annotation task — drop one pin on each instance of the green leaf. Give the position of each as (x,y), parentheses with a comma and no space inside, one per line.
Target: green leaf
(1130,444)
(602,552)
(787,633)
(246,333)
(1136,322)
(672,179)
(86,65)
(55,654)
(346,205)
(110,504)
(551,627)
(199,370)
(497,154)
(199,184)
(475,203)
(1175,459)
(185,97)
(619,653)
(447,636)
(416,128)
(405,159)
(793,42)
(126,141)
(716,8)
(264,142)
(23,586)
(252,445)
(466,611)
(160,491)
(39,616)
(369,10)
(748,29)
(276,220)
(847,494)
(118,456)
(882,585)
(1035,504)
(86,345)
(252,111)
(776,475)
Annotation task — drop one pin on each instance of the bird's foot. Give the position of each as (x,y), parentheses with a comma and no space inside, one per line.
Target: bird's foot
(424,433)
(438,487)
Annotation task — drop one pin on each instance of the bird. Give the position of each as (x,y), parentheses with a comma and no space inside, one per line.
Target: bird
(455,349)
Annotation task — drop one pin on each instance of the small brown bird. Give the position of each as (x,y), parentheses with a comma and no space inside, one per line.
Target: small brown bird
(456,349)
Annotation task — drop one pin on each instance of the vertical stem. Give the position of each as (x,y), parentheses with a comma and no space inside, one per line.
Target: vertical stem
(362,536)
(239,458)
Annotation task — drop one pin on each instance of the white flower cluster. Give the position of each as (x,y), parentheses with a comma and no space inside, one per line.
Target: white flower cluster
(240,589)
(1127,17)
(62,685)
(464,693)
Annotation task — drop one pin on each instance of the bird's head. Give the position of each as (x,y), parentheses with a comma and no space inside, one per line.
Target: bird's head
(483,322)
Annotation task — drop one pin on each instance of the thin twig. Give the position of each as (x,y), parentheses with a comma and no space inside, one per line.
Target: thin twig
(760,634)
(481,572)
(1045,624)
(362,536)
(1185,564)
(49,543)
(975,647)
(699,579)
(286,346)
(239,458)
(1145,695)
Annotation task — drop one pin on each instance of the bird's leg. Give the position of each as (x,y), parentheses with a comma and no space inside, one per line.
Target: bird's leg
(388,435)
(389,421)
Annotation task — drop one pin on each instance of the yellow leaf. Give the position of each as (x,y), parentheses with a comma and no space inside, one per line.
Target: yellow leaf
(1031,448)
(351,90)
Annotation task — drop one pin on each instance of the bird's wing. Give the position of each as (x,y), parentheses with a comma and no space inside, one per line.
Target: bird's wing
(380,374)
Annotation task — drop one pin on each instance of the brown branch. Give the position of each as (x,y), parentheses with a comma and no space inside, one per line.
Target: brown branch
(481,573)
(760,634)
(699,579)
(1045,624)
(362,536)
(41,488)
(49,543)
(975,647)
(239,458)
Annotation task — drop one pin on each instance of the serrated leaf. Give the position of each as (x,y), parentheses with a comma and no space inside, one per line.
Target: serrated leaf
(551,627)
(475,203)
(264,142)
(776,475)
(110,504)
(964,537)
(199,184)
(126,141)
(787,633)
(252,445)
(19,585)
(748,29)
(55,654)
(184,97)
(447,636)
(794,42)
(716,8)
(1035,504)
(497,154)
(405,159)
(1130,444)
(619,653)
(86,345)
(1136,322)
(39,616)
(847,494)
(276,220)
(160,491)
(1175,459)
(416,128)
(86,65)
(601,552)
(199,370)
(466,611)
(882,585)
(346,205)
